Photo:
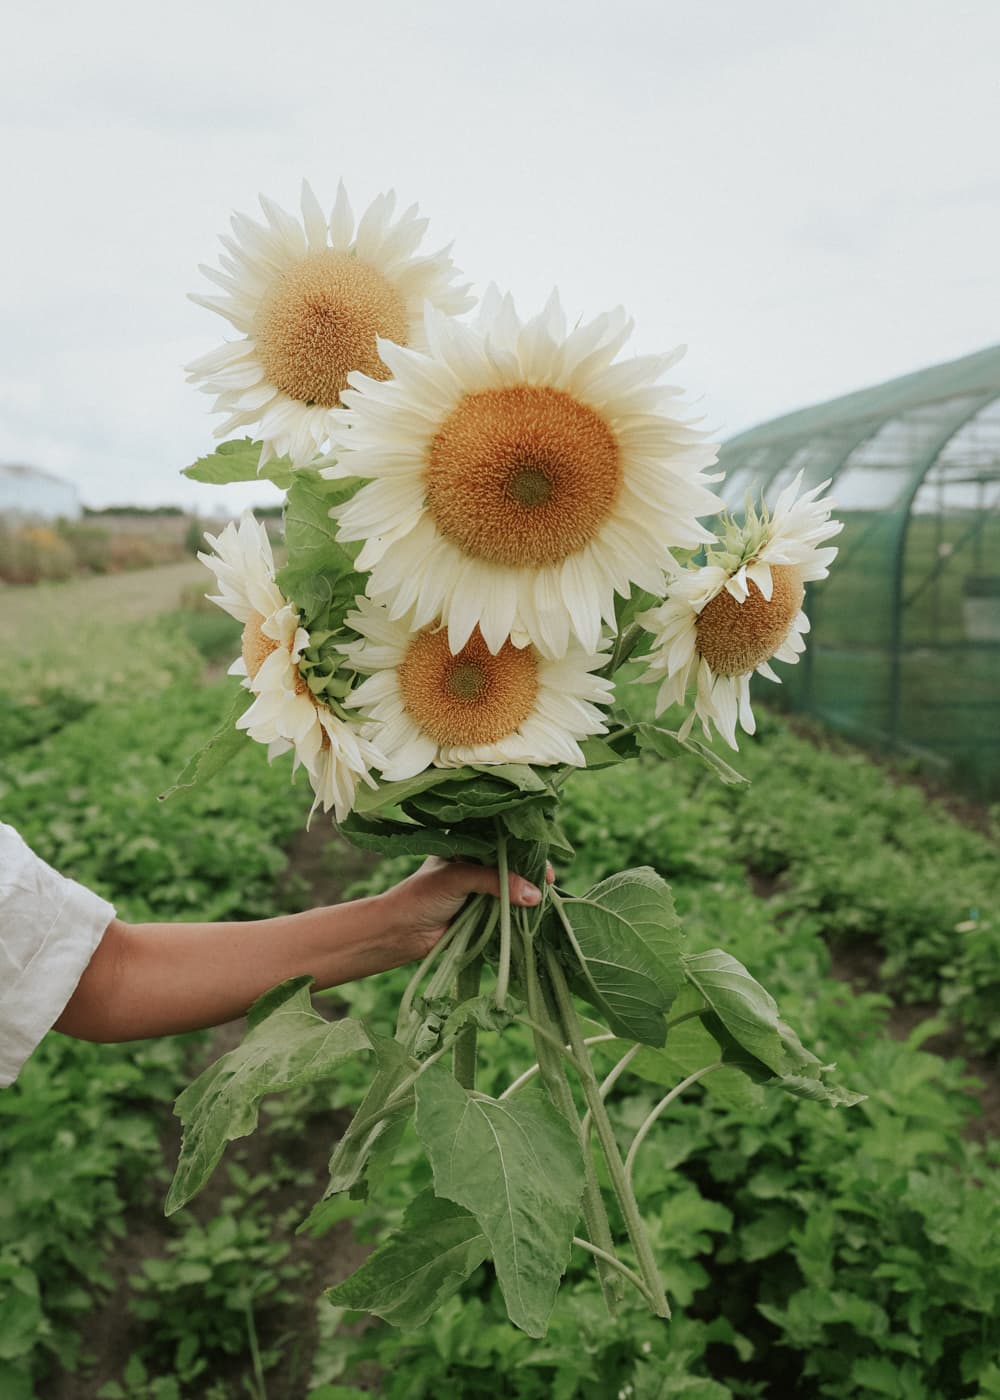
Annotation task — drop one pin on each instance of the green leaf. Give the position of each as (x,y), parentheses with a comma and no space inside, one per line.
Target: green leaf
(745,1023)
(666,743)
(802,1087)
(516,1166)
(275,998)
(745,1009)
(372,800)
(638,600)
(213,755)
(802,1077)
(237,460)
(882,1375)
(517,775)
(528,822)
(351,1154)
(320,577)
(22,1318)
(528,858)
(401,838)
(600,754)
(690,1047)
(630,939)
(476,799)
(482,1012)
(288,1045)
(409,1276)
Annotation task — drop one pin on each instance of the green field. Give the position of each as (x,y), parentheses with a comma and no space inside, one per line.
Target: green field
(808,1251)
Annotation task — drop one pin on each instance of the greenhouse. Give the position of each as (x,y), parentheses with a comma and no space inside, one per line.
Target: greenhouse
(905,644)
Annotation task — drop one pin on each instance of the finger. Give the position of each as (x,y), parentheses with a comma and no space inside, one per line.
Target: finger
(466,878)
(550,874)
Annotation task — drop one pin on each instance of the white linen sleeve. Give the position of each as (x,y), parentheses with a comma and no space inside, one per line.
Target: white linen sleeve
(49,929)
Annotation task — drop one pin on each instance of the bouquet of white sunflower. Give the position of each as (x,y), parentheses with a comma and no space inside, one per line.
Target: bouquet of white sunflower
(486,518)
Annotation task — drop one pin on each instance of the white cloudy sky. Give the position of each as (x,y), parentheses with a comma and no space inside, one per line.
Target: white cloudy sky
(806,193)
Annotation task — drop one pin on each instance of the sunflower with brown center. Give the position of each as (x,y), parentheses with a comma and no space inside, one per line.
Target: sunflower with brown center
(740,611)
(284,715)
(519,477)
(430,706)
(312,299)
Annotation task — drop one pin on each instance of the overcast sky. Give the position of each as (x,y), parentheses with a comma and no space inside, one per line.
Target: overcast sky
(807,194)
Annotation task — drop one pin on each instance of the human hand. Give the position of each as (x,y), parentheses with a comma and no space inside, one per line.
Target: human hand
(422,906)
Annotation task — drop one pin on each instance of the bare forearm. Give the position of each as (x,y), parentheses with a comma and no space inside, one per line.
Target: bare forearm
(160,979)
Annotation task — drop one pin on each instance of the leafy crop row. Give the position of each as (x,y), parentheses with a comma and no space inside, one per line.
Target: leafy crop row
(814,1254)
(79,1129)
(847,851)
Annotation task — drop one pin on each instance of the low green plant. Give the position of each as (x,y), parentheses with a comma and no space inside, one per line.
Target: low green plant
(205,1297)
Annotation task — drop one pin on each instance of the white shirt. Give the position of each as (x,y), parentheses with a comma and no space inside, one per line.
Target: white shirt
(49,929)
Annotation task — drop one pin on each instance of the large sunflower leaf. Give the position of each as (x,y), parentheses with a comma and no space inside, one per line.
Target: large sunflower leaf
(802,1075)
(409,1276)
(747,1011)
(630,941)
(516,1166)
(689,1047)
(288,1044)
(237,460)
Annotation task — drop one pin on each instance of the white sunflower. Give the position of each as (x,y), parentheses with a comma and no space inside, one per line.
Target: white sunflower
(284,714)
(740,611)
(431,706)
(522,477)
(310,299)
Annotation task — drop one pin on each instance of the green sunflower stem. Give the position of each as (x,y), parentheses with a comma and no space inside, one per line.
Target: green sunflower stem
(553,1074)
(481,943)
(503,965)
(625,645)
(464,1063)
(450,949)
(606,1136)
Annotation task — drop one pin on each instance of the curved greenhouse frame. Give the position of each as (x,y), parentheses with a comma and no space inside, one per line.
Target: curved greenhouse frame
(905,645)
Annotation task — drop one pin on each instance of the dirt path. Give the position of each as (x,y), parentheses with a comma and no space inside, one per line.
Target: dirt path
(860,968)
(26,611)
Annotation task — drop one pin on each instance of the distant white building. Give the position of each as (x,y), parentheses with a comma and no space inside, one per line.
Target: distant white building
(34,494)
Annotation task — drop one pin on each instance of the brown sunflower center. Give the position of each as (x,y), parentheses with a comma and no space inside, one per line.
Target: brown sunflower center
(734,638)
(522,476)
(318,321)
(256,647)
(471,698)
